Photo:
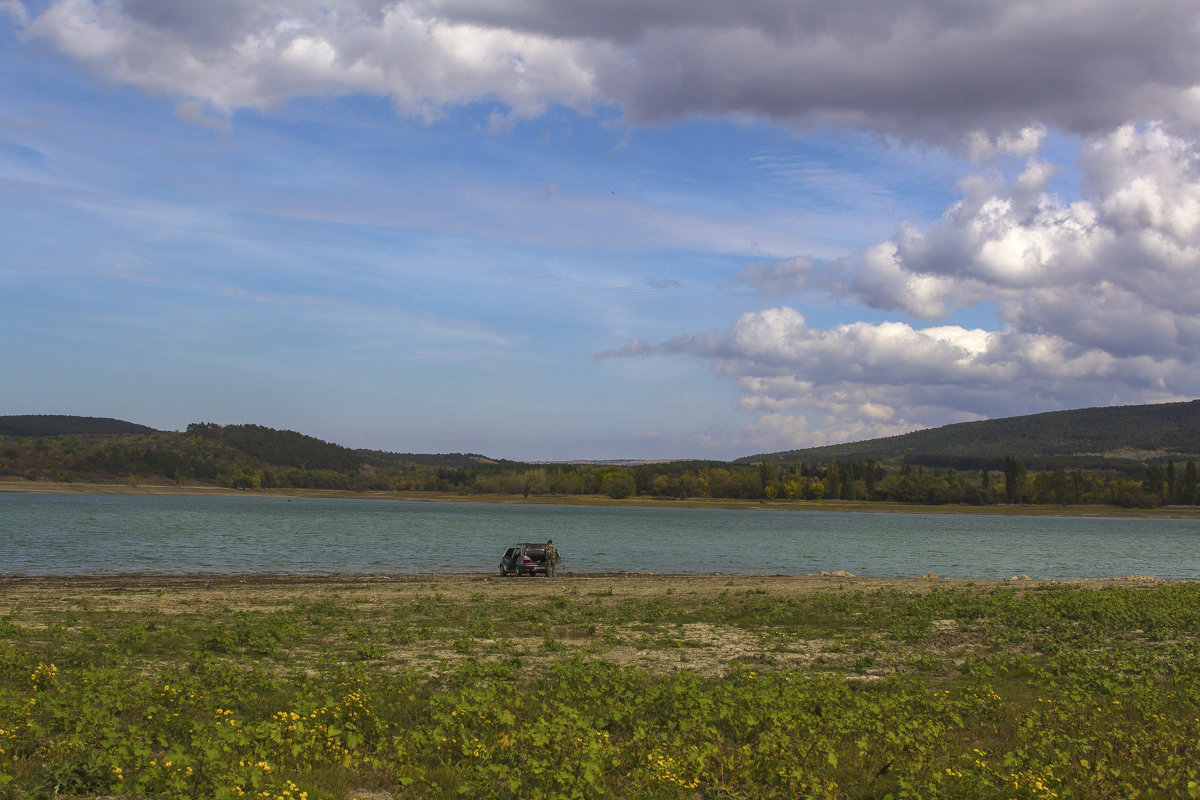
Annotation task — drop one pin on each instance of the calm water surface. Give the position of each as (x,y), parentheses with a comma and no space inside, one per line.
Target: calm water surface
(108,534)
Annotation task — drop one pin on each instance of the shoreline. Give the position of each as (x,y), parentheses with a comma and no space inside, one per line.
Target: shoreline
(470,582)
(21,485)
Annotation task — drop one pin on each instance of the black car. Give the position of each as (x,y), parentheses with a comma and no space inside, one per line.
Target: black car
(527,558)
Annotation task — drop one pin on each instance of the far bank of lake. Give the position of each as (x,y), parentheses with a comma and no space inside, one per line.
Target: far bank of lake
(599,501)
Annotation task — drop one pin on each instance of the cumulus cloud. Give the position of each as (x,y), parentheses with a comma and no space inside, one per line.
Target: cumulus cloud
(988,74)
(1097,302)
(983,147)
(1119,270)
(1096,298)
(783,277)
(235,54)
(812,386)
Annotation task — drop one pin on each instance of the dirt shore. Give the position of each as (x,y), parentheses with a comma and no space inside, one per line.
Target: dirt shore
(447,619)
(193,592)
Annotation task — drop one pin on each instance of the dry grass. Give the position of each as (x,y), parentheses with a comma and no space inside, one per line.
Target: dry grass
(605,635)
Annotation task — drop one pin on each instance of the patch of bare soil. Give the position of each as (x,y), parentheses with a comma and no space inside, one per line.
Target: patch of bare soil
(267,591)
(661,647)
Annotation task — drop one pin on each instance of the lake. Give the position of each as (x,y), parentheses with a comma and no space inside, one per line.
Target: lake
(108,534)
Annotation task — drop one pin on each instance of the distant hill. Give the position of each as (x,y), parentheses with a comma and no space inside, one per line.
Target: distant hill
(456,460)
(1117,436)
(40,425)
(282,448)
(66,448)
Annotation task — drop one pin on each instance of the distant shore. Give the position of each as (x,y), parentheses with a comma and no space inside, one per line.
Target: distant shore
(10,484)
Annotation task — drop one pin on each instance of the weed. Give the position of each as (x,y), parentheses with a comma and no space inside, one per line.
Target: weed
(985,694)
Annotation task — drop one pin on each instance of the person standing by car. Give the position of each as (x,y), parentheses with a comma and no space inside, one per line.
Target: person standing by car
(552,558)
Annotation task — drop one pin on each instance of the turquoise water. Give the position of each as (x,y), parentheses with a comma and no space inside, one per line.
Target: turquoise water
(109,534)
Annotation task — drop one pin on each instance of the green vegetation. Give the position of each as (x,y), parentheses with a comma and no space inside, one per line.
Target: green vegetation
(1089,438)
(61,425)
(238,456)
(257,457)
(1032,692)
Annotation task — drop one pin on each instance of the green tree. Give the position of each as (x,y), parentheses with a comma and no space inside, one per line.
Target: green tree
(1014,479)
(1155,480)
(767,475)
(617,484)
(833,481)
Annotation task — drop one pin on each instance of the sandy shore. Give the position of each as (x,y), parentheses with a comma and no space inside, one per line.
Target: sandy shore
(258,590)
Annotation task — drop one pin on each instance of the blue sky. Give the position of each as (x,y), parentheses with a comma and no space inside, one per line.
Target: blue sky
(670,230)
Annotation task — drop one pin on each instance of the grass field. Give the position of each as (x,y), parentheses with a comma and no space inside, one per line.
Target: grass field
(591,686)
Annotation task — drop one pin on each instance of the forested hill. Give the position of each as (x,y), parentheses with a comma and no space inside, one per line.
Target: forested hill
(292,449)
(1136,456)
(38,425)
(1089,437)
(59,448)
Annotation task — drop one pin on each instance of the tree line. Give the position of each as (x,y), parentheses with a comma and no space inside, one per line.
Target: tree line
(251,457)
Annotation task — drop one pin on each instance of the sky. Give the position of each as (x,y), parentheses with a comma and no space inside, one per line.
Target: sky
(598,229)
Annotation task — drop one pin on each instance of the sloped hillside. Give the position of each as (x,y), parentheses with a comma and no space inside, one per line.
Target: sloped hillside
(39,425)
(1086,437)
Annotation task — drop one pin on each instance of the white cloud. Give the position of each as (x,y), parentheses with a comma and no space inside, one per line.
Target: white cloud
(240,55)
(1122,265)
(1097,298)
(1098,302)
(862,380)
(780,278)
(778,431)
(836,424)
(916,69)
(1025,142)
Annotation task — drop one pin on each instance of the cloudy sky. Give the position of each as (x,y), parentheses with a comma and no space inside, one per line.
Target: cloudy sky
(541,229)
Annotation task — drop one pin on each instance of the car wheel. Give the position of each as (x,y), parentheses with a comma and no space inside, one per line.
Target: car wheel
(503,571)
